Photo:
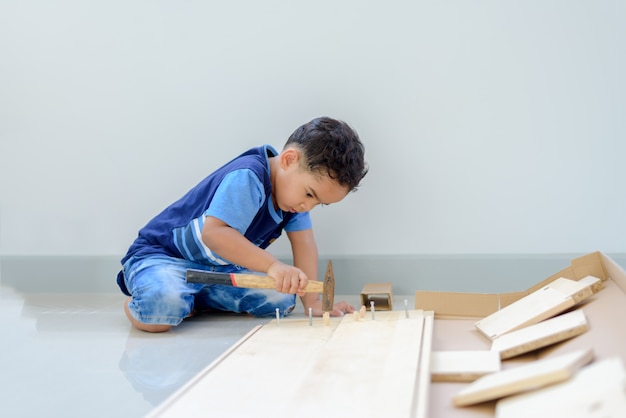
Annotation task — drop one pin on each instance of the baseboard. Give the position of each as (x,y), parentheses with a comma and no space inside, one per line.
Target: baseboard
(451,273)
(406,273)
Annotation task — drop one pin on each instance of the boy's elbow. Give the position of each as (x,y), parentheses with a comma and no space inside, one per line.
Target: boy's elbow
(211,237)
(211,232)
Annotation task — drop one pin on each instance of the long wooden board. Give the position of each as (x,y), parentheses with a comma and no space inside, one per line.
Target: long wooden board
(541,304)
(522,378)
(540,335)
(352,367)
(597,390)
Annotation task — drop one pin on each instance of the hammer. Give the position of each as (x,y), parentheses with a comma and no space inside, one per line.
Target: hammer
(257,281)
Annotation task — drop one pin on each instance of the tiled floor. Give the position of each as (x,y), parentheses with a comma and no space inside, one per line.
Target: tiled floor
(76,355)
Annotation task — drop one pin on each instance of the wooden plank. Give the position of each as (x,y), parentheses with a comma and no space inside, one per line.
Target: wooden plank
(293,369)
(597,390)
(366,363)
(544,303)
(522,378)
(579,290)
(540,335)
(463,366)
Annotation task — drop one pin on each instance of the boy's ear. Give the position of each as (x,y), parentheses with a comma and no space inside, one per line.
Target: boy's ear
(289,157)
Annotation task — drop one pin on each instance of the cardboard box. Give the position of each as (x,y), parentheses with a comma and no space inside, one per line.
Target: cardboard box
(379,293)
(456,314)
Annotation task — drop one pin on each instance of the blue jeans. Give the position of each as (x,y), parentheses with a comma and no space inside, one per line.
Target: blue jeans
(161,294)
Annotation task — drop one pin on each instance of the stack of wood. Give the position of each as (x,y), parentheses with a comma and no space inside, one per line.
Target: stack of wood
(544,317)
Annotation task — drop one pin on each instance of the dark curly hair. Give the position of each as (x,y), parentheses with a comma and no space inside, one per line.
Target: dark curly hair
(332,147)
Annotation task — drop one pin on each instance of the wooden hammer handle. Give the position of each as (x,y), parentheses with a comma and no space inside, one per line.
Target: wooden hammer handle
(250,281)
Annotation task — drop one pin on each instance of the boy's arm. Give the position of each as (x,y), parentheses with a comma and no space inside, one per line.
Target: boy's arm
(229,244)
(305,257)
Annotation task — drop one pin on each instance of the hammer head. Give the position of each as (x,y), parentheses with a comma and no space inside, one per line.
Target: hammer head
(328,295)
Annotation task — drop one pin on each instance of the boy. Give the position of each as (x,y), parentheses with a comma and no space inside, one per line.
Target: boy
(225,223)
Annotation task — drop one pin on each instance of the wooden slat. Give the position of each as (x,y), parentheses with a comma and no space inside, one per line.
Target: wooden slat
(463,366)
(352,367)
(365,363)
(597,390)
(522,378)
(540,335)
(579,290)
(544,303)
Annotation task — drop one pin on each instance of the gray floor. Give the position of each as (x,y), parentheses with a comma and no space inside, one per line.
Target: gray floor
(67,354)
(75,355)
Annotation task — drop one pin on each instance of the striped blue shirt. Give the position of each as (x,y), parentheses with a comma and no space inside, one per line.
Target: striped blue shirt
(239,193)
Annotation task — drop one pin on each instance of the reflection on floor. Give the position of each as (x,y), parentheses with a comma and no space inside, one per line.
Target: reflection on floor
(75,355)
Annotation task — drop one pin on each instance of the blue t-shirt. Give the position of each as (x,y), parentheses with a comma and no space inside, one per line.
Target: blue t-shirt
(239,193)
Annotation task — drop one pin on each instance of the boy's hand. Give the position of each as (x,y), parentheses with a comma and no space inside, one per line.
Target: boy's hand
(339,309)
(289,279)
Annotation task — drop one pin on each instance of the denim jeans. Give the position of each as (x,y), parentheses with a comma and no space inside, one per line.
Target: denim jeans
(161,294)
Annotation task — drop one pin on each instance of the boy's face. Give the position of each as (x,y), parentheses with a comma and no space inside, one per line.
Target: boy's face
(295,189)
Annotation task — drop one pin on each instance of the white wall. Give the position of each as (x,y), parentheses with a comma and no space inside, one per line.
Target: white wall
(490,127)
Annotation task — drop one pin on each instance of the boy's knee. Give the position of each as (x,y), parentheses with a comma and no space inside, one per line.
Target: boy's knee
(161,298)
(142,325)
